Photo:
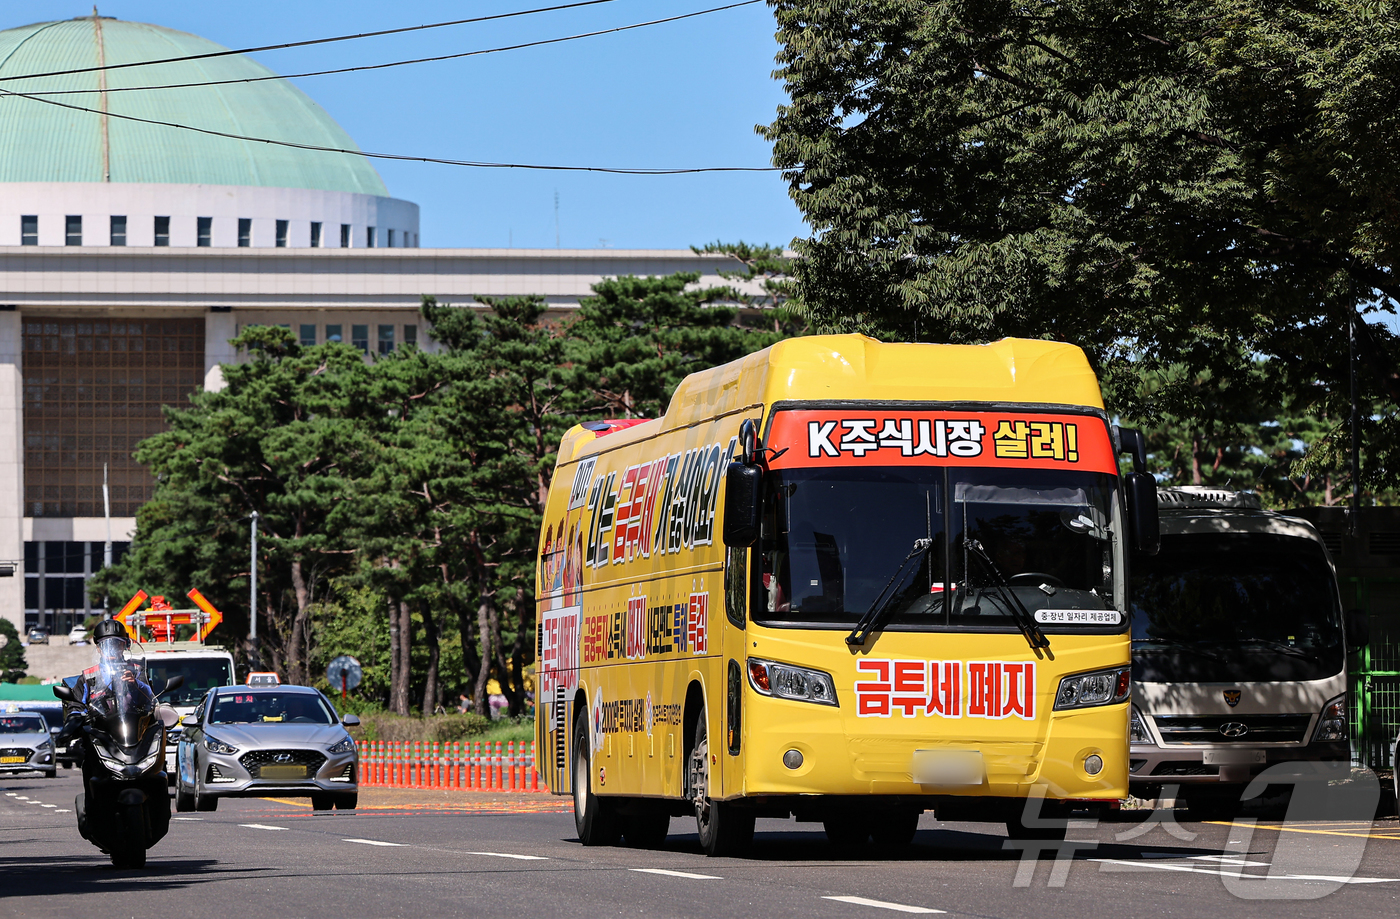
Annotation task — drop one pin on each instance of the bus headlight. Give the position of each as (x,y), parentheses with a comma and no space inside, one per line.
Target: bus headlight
(1102,687)
(1332,726)
(1137,730)
(788,682)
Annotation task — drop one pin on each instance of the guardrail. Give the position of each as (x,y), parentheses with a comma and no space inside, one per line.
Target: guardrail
(467,766)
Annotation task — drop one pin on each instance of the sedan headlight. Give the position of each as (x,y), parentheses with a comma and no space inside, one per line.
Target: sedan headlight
(1332,726)
(1137,729)
(214,745)
(1102,687)
(345,746)
(788,682)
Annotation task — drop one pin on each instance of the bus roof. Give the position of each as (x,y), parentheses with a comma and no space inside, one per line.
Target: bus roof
(854,367)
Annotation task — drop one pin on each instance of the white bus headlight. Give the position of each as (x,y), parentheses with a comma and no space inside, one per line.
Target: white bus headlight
(1332,726)
(784,681)
(1102,687)
(1137,730)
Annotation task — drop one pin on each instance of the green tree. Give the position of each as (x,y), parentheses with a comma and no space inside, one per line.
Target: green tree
(12,662)
(1166,184)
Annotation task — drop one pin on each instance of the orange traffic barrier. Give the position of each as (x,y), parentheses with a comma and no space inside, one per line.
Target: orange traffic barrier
(468,766)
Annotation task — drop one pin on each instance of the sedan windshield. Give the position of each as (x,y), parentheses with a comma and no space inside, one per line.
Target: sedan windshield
(22,724)
(270,708)
(834,539)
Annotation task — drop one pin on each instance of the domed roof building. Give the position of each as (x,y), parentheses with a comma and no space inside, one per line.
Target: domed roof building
(132,250)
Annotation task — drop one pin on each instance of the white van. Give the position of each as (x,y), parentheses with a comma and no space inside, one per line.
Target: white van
(203,666)
(1239,650)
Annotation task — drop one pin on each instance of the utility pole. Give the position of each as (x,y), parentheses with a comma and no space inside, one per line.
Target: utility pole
(106,513)
(1355,427)
(253,593)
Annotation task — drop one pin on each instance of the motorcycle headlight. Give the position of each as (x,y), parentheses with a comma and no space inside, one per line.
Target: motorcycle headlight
(112,763)
(214,745)
(1102,687)
(345,746)
(1137,730)
(788,682)
(1332,726)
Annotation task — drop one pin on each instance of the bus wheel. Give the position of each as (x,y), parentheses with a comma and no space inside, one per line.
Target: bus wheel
(646,831)
(1051,825)
(846,831)
(895,830)
(595,818)
(724,829)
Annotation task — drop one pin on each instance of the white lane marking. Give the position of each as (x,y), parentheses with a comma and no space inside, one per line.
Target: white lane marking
(186,818)
(881,904)
(1223,870)
(63,810)
(261,826)
(51,805)
(376,842)
(523,858)
(11,794)
(34,802)
(19,797)
(678,874)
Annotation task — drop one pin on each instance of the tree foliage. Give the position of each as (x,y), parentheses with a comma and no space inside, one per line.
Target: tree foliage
(1171,185)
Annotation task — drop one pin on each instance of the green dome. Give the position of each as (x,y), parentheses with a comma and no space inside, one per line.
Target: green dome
(45,143)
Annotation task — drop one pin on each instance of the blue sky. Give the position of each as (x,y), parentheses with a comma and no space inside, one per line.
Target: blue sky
(678,94)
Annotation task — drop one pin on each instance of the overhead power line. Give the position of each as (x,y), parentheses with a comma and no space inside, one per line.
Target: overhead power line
(308,42)
(421,60)
(384,156)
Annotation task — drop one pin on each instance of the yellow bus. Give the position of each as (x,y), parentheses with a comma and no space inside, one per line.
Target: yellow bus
(844,581)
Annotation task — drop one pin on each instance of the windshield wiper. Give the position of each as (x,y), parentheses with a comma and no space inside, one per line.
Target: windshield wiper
(883,604)
(1285,648)
(1024,620)
(1195,646)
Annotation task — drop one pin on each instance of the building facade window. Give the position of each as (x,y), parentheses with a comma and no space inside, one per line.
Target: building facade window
(118,230)
(389,241)
(333,333)
(281,234)
(359,337)
(386,339)
(345,236)
(29,230)
(162,231)
(410,335)
(73,230)
(315,234)
(56,576)
(369,237)
(245,232)
(308,335)
(93,390)
(204,232)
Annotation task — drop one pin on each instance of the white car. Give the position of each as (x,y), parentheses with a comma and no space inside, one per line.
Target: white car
(77,635)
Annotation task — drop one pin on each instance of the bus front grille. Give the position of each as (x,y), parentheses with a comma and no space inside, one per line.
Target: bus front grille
(1226,728)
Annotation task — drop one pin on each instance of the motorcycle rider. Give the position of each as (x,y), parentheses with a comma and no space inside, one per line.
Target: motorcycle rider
(113,680)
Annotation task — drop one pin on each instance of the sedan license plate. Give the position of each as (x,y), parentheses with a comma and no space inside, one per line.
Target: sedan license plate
(13,759)
(283,772)
(947,767)
(1232,757)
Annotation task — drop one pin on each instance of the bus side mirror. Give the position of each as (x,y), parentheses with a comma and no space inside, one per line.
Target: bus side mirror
(1358,628)
(64,692)
(1142,513)
(741,504)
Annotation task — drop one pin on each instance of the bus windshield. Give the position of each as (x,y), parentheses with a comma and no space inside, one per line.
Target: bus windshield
(1247,606)
(833,538)
(201,675)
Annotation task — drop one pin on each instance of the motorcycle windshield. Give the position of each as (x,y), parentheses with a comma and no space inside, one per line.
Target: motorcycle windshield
(121,699)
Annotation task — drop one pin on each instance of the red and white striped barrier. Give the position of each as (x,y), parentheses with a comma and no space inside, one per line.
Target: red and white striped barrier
(468,766)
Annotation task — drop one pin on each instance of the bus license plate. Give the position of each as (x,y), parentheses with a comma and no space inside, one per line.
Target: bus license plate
(1232,757)
(13,759)
(947,767)
(1079,616)
(283,772)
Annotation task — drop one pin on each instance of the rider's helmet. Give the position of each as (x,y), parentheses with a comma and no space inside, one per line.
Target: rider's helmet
(111,640)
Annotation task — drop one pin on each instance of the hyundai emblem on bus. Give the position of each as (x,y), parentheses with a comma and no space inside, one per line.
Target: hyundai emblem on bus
(1232,697)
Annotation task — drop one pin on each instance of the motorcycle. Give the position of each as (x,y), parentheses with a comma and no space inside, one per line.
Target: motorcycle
(120,726)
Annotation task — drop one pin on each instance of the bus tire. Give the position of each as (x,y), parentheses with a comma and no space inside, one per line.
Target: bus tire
(646,831)
(846,831)
(595,818)
(895,830)
(724,829)
(1051,826)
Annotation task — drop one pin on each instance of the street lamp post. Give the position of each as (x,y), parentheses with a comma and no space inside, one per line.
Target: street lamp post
(253,590)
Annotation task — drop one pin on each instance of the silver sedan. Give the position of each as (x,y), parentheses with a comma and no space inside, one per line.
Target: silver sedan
(260,741)
(25,745)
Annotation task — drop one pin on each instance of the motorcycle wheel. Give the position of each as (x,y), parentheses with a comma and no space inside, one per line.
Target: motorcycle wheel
(132,853)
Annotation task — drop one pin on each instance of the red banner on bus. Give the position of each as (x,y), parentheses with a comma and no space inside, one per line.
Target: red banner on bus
(900,437)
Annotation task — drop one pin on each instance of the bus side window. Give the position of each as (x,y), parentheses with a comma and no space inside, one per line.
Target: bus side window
(736,584)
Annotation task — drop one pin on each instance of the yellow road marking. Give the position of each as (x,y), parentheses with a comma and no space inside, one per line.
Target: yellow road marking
(1374,834)
(288,801)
